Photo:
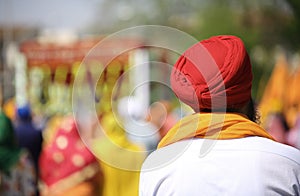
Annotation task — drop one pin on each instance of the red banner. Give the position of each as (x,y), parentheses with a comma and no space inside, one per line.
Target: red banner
(53,55)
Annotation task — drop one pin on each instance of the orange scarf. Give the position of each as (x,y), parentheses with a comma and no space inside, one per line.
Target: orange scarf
(219,126)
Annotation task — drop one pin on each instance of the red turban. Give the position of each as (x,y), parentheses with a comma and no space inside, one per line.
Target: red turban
(213,74)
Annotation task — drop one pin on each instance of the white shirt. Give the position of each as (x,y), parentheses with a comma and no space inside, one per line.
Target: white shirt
(248,166)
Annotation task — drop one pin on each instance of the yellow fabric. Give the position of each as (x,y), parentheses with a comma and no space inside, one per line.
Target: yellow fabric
(51,129)
(119,181)
(218,126)
(86,188)
(9,109)
(119,159)
(272,100)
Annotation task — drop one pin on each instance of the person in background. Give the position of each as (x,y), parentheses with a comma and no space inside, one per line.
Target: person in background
(138,129)
(220,149)
(119,158)
(160,114)
(17,171)
(293,137)
(27,134)
(67,167)
(277,126)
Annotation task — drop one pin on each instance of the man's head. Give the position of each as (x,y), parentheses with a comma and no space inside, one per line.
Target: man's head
(214,75)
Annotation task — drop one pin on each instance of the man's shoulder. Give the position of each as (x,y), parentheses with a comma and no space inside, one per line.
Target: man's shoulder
(257,145)
(274,148)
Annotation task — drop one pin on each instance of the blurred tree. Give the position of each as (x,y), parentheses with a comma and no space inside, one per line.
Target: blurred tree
(268,22)
(261,24)
(292,33)
(295,5)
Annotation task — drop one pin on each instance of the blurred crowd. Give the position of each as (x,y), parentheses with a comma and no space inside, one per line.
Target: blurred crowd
(49,157)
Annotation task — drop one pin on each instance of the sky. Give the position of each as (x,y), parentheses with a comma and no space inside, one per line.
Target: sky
(54,14)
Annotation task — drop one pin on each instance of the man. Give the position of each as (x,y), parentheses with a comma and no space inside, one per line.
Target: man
(27,134)
(219,150)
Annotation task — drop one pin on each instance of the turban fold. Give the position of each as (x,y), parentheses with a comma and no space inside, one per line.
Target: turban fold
(213,74)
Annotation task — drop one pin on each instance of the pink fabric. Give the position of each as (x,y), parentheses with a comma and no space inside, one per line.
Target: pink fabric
(65,155)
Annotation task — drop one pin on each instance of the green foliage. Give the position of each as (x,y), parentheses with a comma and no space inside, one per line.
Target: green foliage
(267,24)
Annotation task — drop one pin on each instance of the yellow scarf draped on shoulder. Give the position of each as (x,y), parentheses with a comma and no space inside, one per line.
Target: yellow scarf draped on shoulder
(219,126)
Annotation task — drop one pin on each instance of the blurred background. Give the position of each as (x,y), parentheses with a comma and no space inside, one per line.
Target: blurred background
(267,27)
(36,78)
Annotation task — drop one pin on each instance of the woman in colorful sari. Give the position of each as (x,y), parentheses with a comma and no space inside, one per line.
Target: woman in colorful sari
(67,167)
(17,171)
(219,150)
